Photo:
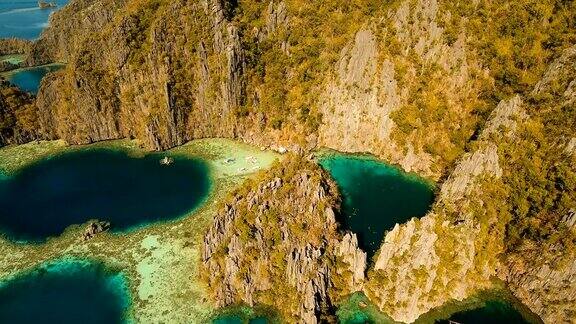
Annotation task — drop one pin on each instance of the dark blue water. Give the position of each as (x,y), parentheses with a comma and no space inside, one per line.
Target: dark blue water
(43,199)
(493,311)
(23,18)
(29,79)
(376,196)
(65,292)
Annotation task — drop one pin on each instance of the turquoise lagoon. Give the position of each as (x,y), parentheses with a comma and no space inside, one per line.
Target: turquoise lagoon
(376,196)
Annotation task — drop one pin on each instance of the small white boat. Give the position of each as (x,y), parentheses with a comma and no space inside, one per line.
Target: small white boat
(166,160)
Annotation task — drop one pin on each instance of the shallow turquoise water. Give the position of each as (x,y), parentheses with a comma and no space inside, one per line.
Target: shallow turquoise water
(357,309)
(41,200)
(29,79)
(23,18)
(65,292)
(376,196)
(12,59)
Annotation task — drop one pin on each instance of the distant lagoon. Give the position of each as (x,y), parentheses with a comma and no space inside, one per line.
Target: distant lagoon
(24,19)
(29,79)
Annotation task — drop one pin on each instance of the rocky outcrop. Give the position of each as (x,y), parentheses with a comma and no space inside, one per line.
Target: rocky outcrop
(505,117)
(17,115)
(276,243)
(355,260)
(453,251)
(463,242)
(543,276)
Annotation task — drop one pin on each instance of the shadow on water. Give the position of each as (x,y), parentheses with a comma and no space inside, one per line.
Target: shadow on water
(241,314)
(496,306)
(376,196)
(43,199)
(65,292)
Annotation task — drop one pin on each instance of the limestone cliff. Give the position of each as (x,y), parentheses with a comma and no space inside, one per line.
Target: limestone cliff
(163,72)
(396,64)
(541,267)
(68,27)
(276,243)
(410,81)
(449,253)
(481,211)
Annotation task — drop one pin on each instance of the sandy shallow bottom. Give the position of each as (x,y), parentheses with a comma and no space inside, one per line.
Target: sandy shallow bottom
(161,260)
(13,58)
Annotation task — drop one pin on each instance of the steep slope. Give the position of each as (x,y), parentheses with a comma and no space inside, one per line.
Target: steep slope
(67,28)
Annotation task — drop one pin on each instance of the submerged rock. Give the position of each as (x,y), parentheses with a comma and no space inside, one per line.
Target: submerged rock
(94,228)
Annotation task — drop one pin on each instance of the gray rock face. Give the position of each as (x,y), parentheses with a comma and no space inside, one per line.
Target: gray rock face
(543,277)
(506,115)
(347,249)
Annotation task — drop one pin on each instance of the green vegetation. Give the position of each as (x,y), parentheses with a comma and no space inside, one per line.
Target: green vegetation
(540,175)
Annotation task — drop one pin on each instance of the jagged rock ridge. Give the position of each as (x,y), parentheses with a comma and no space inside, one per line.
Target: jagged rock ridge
(276,242)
